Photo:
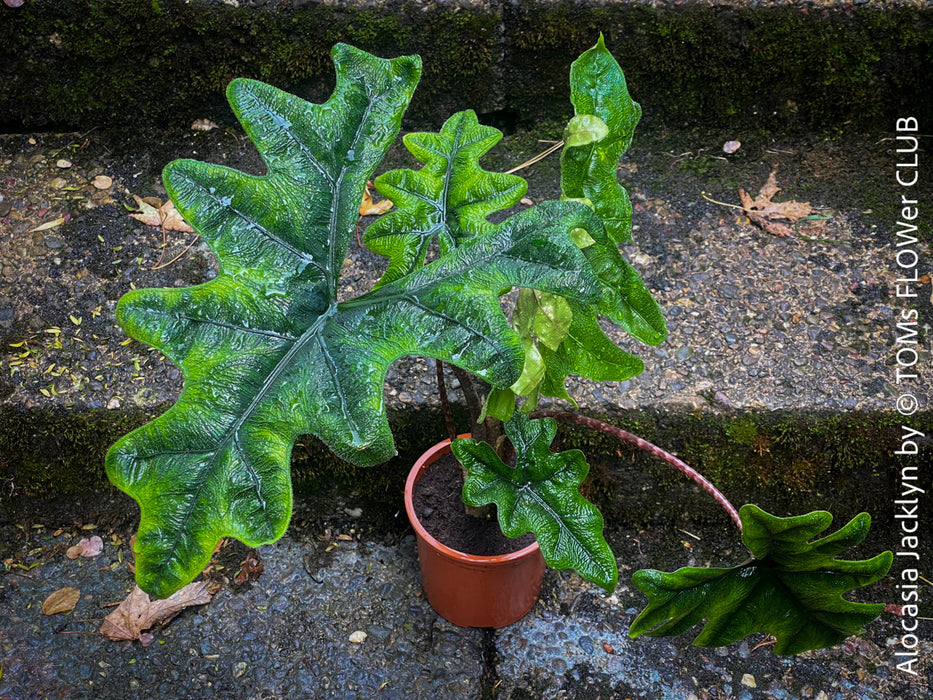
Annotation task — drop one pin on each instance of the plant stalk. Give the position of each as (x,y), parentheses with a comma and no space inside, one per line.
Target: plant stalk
(445,402)
(626,436)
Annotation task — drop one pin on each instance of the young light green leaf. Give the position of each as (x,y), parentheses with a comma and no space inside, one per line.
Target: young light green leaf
(584,129)
(588,170)
(791,589)
(541,494)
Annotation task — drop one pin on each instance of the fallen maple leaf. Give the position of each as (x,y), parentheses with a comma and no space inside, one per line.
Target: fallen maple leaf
(763,211)
(138,612)
(369,208)
(61,601)
(86,548)
(164,216)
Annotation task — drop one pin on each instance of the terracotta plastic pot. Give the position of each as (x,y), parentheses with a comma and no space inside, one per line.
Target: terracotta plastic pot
(469,590)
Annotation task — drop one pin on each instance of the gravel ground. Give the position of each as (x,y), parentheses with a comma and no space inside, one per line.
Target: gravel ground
(756,321)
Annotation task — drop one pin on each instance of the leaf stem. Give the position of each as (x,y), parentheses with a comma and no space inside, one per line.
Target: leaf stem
(531,161)
(626,436)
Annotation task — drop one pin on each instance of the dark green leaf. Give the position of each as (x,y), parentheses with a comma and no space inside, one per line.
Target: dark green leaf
(597,87)
(792,589)
(448,199)
(541,494)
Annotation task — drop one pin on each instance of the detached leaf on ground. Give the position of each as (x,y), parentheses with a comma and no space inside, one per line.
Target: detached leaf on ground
(792,588)
(251,568)
(138,612)
(61,601)
(165,216)
(763,212)
(203,125)
(86,548)
(370,208)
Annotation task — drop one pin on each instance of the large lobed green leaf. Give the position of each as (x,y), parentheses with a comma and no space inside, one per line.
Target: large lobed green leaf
(541,494)
(791,589)
(449,200)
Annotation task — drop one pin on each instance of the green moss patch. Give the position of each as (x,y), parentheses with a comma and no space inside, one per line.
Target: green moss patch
(83,63)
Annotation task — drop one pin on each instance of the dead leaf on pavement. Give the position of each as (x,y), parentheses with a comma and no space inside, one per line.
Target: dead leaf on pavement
(50,224)
(86,548)
(61,601)
(203,125)
(251,568)
(137,613)
(164,216)
(763,211)
(369,208)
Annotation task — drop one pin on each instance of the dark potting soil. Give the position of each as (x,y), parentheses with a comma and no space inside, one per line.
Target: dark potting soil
(438,502)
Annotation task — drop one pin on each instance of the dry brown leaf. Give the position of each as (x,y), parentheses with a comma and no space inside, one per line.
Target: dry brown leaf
(203,125)
(86,548)
(102,182)
(251,568)
(138,612)
(164,216)
(763,211)
(61,601)
(50,224)
(369,208)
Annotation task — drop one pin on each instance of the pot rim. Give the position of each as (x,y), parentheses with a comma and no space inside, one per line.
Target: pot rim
(431,455)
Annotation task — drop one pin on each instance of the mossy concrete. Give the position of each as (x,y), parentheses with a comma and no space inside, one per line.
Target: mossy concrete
(780,459)
(84,63)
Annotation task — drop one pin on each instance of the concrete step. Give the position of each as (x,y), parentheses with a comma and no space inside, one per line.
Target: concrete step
(780,64)
(778,375)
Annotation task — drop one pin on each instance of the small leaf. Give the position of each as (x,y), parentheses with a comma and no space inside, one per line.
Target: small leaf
(165,216)
(499,404)
(448,199)
(55,223)
(102,182)
(369,208)
(763,211)
(584,129)
(61,601)
(203,125)
(541,494)
(791,589)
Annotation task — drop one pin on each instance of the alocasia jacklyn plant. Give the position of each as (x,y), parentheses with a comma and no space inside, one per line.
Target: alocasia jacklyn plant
(268,353)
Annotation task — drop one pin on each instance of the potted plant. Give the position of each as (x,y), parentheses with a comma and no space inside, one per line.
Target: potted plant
(268,353)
